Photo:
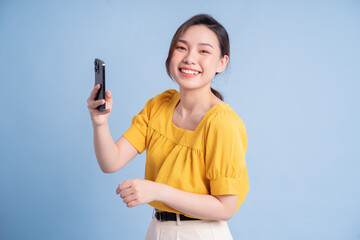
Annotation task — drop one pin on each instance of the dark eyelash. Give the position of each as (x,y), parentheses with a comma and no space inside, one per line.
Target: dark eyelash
(184,48)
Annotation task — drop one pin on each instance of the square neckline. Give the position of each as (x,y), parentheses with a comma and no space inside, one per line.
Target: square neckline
(176,100)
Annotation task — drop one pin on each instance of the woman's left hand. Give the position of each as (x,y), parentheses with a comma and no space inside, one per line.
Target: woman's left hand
(137,191)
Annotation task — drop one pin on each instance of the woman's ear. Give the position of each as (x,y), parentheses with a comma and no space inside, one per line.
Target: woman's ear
(222,64)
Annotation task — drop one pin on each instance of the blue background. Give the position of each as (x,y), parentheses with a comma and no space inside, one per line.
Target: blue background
(294,80)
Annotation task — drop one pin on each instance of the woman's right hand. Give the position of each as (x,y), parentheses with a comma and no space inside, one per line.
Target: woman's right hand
(99,118)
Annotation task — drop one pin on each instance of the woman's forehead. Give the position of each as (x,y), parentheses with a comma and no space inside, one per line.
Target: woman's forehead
(199,34)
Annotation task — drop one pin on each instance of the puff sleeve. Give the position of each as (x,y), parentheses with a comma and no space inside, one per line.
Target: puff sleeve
(137,133)
(225,148)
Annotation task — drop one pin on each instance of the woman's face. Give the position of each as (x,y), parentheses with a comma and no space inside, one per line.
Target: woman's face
(196,58)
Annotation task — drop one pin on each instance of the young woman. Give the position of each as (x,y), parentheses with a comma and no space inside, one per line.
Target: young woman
(195,173)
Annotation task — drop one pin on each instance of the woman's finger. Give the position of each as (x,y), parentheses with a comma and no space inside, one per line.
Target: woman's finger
(118,189)
(94,92)
(95,104)
(129,198)
(108,96)
(109,100)
(121,187)
(126,184)
(126,192)
(133,203)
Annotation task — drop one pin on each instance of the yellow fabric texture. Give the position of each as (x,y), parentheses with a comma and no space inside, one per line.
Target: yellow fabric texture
(208,160)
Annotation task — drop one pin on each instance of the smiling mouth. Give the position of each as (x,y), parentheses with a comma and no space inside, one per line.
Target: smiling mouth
(190,72)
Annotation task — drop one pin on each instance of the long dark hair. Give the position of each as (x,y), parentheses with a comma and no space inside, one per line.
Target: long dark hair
(212,24)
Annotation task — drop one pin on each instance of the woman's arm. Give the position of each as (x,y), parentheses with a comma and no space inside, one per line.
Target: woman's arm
(218,207)
(111,156)
(138,191)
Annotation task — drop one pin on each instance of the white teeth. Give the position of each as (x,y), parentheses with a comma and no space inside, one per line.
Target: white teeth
(189,71)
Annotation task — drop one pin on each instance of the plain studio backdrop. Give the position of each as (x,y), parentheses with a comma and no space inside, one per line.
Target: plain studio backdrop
(293,79)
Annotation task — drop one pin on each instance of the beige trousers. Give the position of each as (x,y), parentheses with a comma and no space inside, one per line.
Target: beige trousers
(188,230)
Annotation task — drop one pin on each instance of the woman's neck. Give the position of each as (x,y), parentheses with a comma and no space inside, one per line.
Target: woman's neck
(195,102)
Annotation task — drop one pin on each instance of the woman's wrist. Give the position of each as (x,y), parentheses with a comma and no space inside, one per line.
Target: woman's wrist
(159,190)
(99,126)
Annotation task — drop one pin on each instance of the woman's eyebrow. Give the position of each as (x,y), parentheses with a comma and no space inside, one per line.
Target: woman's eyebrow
(206,44)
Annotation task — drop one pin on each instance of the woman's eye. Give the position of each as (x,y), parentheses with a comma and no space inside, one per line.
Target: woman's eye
(204,51)
(182,48)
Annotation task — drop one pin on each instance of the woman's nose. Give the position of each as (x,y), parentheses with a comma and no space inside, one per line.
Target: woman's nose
(190,58)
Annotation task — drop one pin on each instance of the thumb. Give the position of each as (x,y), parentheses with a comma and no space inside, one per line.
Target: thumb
(108,96)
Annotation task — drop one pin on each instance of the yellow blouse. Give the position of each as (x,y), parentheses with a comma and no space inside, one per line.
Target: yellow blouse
(208,160)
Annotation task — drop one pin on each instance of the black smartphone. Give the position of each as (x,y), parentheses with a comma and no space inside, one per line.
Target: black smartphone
(99,67)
